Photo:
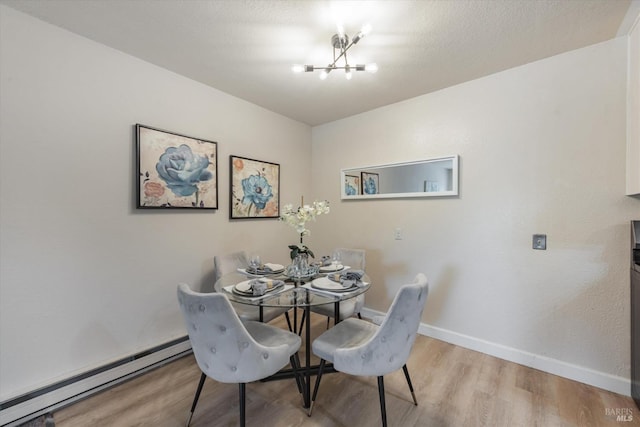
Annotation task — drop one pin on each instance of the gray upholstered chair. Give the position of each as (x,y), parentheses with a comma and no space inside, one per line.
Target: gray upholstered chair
(229,263)
(229,350)
(356,259)
(357,347)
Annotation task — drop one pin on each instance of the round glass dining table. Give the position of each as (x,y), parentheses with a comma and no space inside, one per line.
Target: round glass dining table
(296,294)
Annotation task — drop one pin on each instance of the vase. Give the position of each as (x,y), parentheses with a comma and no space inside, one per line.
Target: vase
(301,265)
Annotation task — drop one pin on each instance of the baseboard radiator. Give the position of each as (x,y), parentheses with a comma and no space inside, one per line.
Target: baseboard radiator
(20,409)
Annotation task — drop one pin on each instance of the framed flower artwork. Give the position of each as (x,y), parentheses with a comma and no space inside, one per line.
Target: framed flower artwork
(370,183)
(255,188)
(175,171)
(351,185)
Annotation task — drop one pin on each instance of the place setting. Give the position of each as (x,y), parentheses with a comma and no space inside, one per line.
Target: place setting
(338,282)
(257,269)
(331,265)
(257,287)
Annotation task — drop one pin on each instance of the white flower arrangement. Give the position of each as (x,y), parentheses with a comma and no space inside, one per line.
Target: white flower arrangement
(298,219)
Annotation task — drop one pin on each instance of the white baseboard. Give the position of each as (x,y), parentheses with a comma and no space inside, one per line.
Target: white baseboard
(581,374)
(40,402)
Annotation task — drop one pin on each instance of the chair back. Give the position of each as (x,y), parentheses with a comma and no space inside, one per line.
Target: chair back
(229,263)
(389,348)
(224,349)
(354,258)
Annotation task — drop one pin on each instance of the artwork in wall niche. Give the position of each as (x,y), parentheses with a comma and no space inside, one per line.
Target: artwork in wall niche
(370,183)
(351,185)
(255,188)
(175,171)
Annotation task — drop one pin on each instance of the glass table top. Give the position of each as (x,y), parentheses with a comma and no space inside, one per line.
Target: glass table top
(293,294)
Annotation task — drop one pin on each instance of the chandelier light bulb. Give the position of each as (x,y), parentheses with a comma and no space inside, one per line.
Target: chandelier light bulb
(323,74)
(366,29)
(348,74)
(372,68)
(297,68)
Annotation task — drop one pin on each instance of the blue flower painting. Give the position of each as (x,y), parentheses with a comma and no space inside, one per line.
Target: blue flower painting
(370,186)
(255,189)
(176,171)
(351,185)
(182,171)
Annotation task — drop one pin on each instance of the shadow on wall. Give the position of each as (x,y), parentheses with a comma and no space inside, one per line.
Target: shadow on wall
(592,310)
(388,278)
(439,289)
(208,276)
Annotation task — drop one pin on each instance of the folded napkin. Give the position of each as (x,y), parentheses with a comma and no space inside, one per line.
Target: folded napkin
(252,269)
(261,286)
(264,268)
(348,278)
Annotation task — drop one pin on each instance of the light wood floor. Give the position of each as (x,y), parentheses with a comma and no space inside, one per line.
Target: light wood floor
(454,387)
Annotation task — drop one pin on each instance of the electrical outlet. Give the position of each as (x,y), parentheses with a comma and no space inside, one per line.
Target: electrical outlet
(398,233)
(540,241)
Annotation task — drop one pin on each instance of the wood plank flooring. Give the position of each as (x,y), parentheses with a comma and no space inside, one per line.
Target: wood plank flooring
(454,387)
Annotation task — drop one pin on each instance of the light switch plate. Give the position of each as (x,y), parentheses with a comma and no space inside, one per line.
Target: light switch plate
(540,241)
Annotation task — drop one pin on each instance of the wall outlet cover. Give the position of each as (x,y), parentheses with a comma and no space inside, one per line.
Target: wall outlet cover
(540,241)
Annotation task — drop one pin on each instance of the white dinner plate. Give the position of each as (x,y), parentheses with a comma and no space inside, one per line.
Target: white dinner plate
(326,284)
(331,268)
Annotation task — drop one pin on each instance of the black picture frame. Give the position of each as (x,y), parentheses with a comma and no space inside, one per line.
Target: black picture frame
(254,188)
(369,183)
(175,171)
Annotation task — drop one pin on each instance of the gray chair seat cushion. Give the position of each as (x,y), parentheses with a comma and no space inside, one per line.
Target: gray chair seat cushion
(270,336)
(348,333)
(248,312)
(377,320)
(347,309)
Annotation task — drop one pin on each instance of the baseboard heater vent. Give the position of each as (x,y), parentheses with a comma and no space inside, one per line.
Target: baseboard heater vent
(20,409)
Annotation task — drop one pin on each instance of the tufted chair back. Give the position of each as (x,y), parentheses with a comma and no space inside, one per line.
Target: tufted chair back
(223,348)
(228,263)
(389,348)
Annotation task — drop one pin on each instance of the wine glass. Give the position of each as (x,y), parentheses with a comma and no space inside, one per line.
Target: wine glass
(336,259)
(254,262)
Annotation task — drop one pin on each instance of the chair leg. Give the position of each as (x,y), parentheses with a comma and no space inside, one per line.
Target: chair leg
(383,408)
(328,322)
(315,388)
(359,316)
(406,375)
(242,401)
(294,365)
(196,397)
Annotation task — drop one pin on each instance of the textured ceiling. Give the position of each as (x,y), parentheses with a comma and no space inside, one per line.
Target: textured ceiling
(246,48)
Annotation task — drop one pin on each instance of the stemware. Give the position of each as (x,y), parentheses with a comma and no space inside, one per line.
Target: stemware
(254,261)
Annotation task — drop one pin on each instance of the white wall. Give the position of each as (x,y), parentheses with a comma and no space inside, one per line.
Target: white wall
(85,278)
(542,150)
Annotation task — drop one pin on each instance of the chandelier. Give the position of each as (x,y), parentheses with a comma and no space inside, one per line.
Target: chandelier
(341,44)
